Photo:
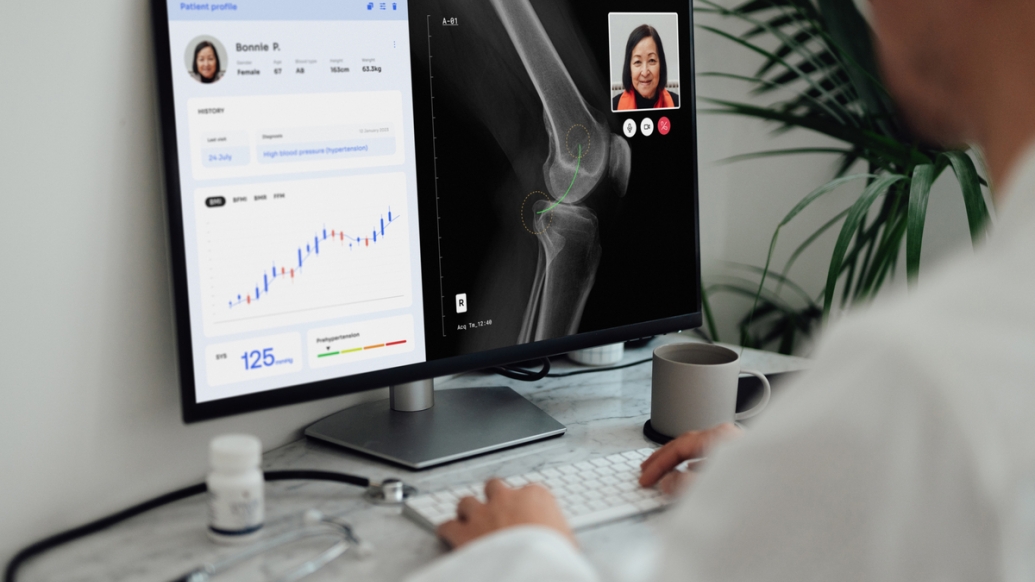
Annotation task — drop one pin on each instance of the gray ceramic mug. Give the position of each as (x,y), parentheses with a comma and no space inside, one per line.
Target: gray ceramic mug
(694,387)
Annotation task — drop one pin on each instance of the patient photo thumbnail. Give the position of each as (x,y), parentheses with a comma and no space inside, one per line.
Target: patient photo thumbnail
(644,61)
(206,59)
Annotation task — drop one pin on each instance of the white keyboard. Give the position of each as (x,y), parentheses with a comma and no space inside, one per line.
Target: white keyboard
(589,492)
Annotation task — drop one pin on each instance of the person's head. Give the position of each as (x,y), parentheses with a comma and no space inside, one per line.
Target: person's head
(206,61)
(646,70)
(954,66)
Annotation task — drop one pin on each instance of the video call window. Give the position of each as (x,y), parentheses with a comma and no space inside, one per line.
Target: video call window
(644,61)
(206,59)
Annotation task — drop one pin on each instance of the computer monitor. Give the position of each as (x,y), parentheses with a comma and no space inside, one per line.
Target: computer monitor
(374,193)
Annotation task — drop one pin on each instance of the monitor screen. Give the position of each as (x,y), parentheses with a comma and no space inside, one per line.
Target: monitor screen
(363,193)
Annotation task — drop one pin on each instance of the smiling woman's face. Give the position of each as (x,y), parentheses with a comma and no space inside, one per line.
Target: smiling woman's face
(645,66)
(206,62)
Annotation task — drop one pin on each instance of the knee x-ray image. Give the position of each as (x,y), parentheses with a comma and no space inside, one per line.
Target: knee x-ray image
(554,214)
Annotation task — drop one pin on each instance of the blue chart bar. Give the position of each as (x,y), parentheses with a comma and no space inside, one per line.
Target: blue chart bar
(313,250)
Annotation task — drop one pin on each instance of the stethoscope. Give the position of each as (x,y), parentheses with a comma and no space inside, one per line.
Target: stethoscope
(315,524)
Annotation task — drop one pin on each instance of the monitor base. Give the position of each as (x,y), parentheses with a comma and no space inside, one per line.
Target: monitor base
(463,422)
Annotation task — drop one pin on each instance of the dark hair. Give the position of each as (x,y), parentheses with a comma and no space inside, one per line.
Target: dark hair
(638,34)
(204,45)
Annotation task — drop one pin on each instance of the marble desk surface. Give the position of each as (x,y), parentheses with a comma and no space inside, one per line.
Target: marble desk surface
(604,413)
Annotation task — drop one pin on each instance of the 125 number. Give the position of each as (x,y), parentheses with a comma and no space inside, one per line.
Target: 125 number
(256,360)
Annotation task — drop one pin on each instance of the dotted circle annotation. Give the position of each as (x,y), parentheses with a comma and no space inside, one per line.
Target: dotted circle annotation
(568,141)
(524,204)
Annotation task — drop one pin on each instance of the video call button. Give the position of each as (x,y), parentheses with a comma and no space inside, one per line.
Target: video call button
(664,126)
(629,128)
(647,127)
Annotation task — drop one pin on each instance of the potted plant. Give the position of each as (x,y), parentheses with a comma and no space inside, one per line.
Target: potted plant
(821,52)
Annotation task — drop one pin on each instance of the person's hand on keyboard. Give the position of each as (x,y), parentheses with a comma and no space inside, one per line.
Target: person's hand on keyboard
(504,507)
(661,467)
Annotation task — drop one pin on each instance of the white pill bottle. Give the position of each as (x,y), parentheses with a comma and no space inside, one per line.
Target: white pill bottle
(236,509)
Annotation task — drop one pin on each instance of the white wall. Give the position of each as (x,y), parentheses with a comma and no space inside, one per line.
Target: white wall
(89,411)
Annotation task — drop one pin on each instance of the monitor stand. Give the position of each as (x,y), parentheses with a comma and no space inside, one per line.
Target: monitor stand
(418,428)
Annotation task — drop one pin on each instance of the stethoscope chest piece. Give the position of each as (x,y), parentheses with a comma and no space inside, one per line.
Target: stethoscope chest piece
(389,492)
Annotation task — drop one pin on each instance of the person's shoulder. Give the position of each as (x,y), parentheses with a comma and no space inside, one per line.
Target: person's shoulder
(616,101)
(945,338)
(674,96)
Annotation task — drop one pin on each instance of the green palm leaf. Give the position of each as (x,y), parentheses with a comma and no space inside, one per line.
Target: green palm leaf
(919,192)
(852,221)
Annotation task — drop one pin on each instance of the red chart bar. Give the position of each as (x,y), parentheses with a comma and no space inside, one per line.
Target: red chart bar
(395,343)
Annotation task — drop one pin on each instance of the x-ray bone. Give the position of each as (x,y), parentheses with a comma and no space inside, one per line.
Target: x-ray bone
(569,254)
(571,124)
(583,152)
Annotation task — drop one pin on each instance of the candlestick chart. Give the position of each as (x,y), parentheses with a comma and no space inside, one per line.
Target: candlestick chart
(275,256)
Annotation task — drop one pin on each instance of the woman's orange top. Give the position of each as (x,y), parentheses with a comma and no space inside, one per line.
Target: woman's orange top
(628,101)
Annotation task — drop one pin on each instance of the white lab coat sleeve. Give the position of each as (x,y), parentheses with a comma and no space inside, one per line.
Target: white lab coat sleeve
(861,473)
(526,553)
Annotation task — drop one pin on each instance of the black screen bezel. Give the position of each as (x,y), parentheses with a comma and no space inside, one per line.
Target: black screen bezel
(194,411)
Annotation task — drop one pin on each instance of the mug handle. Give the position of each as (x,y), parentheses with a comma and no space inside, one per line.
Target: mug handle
(765,396)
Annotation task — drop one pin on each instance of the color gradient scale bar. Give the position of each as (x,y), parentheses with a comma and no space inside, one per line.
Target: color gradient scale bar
(363,349)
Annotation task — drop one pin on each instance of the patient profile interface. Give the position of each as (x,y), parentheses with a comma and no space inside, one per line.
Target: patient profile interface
(299,194)
(368,185)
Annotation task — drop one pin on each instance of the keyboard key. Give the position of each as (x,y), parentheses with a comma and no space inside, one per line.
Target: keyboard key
(462,492)
(516,482)
(568,470)
(422,501)
(535,477)
(600,462)
(579,509)
(548,473)
(604,516)
(649,504)
(445,496)
(577,498)
(584,466)
(631,496)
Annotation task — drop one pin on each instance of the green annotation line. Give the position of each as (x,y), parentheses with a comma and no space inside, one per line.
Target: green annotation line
(578,163)
(354,350)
